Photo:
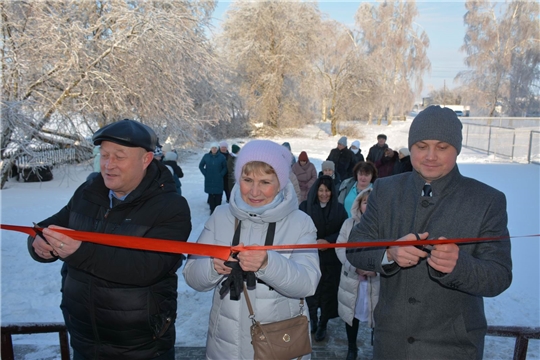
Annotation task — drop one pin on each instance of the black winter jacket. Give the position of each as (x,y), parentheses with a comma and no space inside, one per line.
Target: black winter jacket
(174,165)
(376,153)
(402,165)
(343,160)
(121,303)
(357,157)
(327,220)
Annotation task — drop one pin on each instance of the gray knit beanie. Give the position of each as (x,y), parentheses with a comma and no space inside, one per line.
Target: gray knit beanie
(436,123)
(328,165)
(343,141)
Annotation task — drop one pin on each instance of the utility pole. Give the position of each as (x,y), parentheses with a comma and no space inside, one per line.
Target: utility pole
(444,93)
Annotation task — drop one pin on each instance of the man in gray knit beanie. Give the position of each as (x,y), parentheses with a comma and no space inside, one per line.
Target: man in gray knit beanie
(431,294)
(436,123)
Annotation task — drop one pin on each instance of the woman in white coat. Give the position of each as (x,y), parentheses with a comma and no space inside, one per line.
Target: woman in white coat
(261,196)
(358,289)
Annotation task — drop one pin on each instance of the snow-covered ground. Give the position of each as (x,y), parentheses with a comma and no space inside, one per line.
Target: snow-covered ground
(30,290)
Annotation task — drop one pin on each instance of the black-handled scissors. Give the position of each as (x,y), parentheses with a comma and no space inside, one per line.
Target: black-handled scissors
(426,248)
(40,233)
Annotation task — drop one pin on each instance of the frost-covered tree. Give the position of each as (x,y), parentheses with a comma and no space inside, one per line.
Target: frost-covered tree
(502,43)
(397,50)
(348,85)
(69,67)
(270,45)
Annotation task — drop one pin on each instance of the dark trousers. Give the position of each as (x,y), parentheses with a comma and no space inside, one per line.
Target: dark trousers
(214,200)
(352,333)
(226,187)
(325,296)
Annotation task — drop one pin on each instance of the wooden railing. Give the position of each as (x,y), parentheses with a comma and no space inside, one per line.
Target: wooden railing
(522,335)
(29,328)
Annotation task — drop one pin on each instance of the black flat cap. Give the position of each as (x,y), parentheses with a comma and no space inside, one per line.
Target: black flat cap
(127,133)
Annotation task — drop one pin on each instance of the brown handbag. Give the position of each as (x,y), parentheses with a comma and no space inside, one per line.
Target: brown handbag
(281,340)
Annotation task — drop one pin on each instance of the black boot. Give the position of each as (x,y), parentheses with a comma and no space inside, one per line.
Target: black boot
(352,354)
(313,322)
(320,335)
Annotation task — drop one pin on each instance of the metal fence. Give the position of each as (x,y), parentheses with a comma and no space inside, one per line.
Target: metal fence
(46,157)
(517,139)
(36,164)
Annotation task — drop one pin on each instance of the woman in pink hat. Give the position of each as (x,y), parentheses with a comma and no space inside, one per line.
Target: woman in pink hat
(263,209)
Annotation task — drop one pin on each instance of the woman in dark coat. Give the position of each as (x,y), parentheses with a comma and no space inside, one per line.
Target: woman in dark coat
(213,166)
(170,160)
(404,162)
(328,215)
(385,166)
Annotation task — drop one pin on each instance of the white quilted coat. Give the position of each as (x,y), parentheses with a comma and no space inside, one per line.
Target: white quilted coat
(350,280)
(292,274)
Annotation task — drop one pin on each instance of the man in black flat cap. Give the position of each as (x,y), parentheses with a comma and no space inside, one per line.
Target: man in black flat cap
(119,303)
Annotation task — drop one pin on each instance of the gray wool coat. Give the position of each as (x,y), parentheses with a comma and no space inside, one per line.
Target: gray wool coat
(422,313)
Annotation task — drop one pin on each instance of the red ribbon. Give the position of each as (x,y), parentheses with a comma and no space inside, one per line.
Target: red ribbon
(133,242)
(221,251)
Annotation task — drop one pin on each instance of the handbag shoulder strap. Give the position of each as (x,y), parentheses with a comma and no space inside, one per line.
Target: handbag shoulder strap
(250,308)
(270,233)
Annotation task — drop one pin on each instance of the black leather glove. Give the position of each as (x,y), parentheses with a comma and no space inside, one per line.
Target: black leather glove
(234,284)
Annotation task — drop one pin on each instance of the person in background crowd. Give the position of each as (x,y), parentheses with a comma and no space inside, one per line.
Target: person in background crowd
(213,166)
(296,186)
(170,159)
(96,166)
(342,158)
(328,168)
(158,153)
(230,166)
(404,162)
(358,289)
(385,166)
(264,198)
(166,148)
(119,303)
(288,146)
(376,152)
(431,298)
(305,174)
(365,174)
(357,152)
(292,176)
(97,157)
(224,150)
(328,215)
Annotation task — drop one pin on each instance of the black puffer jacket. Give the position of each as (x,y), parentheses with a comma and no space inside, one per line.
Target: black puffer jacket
(327,220)
(402,165)
(343,160)
(376,153)
(121,303)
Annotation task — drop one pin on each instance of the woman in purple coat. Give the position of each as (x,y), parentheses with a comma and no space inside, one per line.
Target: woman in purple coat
(305,173)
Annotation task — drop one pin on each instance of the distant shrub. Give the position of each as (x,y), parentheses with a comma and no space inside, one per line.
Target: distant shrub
(351,130)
